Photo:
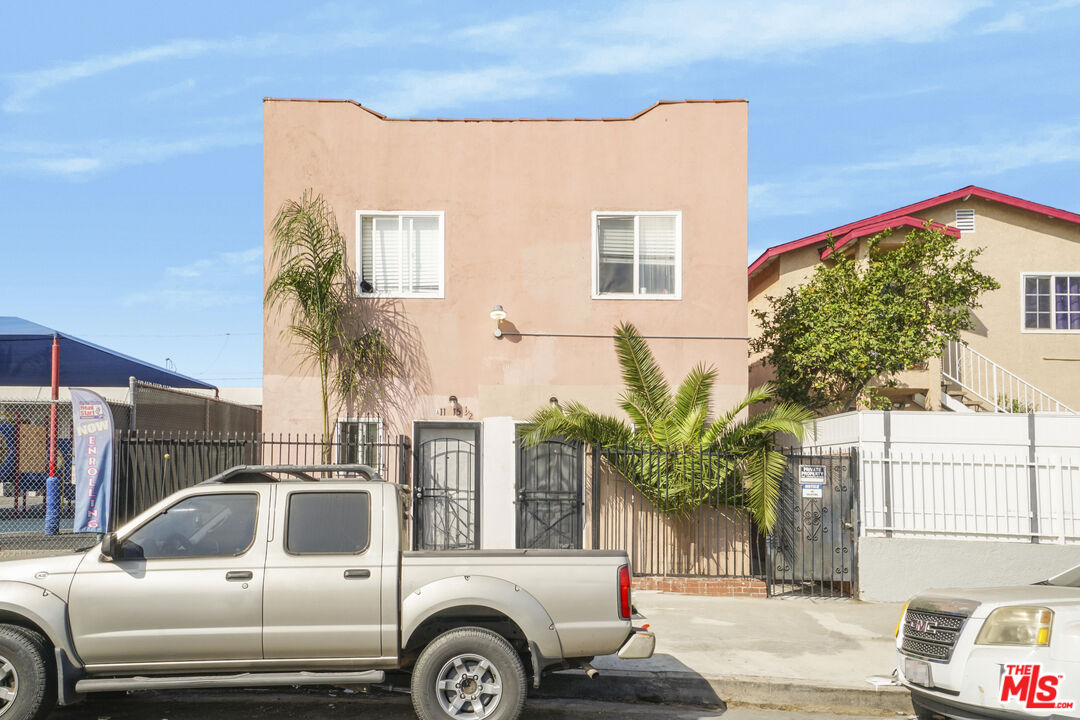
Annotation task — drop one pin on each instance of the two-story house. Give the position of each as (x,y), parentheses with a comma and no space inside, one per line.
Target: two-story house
(1024,350)
(498,255)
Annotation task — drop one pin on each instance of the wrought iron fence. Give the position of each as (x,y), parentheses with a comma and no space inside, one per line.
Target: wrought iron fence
(692,519)
(148,467)
(694,525)
(812,547)
(151,466)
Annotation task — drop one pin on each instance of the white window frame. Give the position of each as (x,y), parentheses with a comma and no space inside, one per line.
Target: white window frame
(596,295)
(361,214)
(339,445)
(1053,315)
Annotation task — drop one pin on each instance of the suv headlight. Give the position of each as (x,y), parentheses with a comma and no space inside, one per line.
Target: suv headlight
(1020,625)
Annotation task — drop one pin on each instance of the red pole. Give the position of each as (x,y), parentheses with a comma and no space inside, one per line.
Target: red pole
(52,405)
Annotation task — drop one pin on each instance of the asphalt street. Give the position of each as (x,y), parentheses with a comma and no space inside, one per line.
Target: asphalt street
(339,705)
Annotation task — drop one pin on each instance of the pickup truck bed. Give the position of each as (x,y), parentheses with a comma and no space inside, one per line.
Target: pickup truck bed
(584,629)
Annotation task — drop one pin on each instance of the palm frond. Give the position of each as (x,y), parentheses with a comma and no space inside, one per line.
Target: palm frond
(694,391)
(641,372)
(761,394)
(762,471)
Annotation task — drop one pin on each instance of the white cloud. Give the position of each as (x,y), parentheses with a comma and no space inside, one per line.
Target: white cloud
(538,50)
(413,92)
(179,88)
(26,86)
(81,161)
(826,188)
(1010,22)
(205,283)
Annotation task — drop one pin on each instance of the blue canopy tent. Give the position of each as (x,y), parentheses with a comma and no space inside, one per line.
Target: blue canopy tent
(26,359)
(34,355)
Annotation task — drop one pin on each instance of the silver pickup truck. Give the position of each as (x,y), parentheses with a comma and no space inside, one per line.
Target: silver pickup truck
(264,576)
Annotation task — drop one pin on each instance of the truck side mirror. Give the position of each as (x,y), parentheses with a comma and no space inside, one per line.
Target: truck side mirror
(109,546)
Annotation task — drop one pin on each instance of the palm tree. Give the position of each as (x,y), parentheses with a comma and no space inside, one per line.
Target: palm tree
(313,280)
(672,451)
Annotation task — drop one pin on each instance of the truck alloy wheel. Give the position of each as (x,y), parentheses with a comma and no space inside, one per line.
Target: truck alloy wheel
(468,686)
(468,674)
(9,685)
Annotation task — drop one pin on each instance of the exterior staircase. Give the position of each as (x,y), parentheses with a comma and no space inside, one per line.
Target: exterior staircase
(972,382)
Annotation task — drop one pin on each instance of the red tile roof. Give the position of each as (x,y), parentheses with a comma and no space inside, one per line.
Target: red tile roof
(611,119)
(902,217)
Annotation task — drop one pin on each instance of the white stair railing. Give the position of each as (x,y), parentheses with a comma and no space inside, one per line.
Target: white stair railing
(982,378)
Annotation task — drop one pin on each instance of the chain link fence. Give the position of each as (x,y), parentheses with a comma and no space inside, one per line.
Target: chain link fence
(24,469)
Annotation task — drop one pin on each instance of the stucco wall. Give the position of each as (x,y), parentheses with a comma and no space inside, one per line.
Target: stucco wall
(894,569)
(518,199)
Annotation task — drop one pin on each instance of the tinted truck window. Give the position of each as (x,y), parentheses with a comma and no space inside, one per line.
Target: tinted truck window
(201,526)
(327,522)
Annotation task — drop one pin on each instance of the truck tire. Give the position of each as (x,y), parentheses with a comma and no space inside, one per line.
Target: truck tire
(466,674)
(27,681)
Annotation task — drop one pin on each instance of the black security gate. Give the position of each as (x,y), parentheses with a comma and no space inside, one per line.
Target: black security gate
(550,479)
(811,549)
(446,487)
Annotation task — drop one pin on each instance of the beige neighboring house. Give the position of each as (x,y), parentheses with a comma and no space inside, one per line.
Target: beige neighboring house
(567,226)
(1024,351)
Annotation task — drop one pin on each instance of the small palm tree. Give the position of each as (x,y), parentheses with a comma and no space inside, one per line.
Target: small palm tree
(313,280)
(672,451)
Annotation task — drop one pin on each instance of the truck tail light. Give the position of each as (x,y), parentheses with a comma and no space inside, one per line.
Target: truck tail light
(625,610)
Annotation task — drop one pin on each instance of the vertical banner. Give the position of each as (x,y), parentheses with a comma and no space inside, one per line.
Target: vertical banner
(92,460)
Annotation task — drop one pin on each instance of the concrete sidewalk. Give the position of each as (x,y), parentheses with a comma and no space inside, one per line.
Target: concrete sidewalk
(811,654)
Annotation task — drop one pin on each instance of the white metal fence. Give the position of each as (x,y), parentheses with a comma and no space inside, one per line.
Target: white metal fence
(973,496)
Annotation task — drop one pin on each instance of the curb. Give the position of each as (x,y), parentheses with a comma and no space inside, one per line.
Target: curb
(688,688)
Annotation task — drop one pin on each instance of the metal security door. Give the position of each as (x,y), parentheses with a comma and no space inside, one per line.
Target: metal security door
(550,479)
(811,549)
(446,487)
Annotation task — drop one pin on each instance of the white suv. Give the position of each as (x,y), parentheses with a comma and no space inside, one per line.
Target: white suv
(1005,652)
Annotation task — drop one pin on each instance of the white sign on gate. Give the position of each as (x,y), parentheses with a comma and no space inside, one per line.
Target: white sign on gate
(812,480)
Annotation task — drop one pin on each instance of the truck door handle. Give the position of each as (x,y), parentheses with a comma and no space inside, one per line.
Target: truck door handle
(238,575)
(355,573)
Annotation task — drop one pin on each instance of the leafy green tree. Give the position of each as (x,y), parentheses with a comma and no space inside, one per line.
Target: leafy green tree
(672,450)
(856,323)
(314,284)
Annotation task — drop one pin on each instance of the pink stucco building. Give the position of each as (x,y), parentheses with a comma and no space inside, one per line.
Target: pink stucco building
(570,225)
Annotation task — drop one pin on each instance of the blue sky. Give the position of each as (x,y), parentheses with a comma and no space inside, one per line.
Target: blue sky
(130,133)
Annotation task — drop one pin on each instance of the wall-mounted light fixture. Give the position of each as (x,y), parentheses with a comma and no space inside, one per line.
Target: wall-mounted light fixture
(554,401)
(498,315)
(455,406)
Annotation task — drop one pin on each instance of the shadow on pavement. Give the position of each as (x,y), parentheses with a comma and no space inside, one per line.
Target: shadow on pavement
(332,704)
(661,679)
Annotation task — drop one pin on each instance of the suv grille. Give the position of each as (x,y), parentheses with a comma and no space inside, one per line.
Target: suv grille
(931,635)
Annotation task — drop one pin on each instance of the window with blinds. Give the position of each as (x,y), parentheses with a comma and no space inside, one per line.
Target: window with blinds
(637,255)
(401,255)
